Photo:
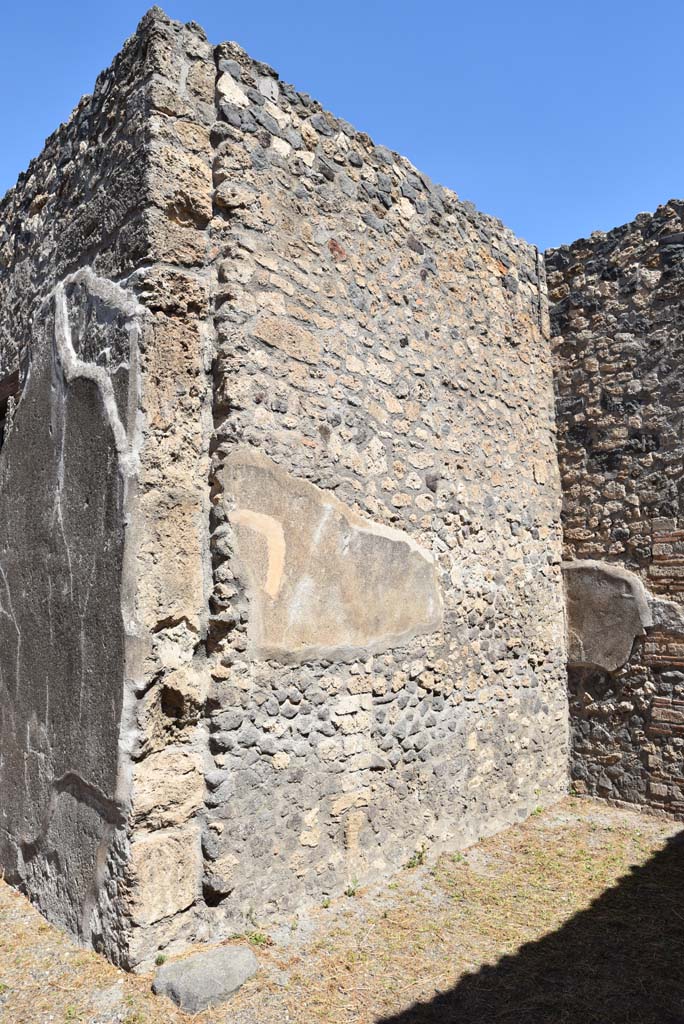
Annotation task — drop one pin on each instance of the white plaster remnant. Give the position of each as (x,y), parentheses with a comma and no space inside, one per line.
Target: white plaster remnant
(73,367)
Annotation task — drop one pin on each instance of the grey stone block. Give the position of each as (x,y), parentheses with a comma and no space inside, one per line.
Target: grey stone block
(205,979)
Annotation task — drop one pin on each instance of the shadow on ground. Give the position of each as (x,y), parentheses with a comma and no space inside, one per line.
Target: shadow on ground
(621,961)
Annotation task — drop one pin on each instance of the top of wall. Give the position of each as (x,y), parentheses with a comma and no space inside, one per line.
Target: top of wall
(78,203)
(86,199)
(649,224)
(80,121)
(77,128)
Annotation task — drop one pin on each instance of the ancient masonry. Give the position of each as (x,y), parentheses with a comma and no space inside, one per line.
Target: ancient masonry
(281,589)
(618,321)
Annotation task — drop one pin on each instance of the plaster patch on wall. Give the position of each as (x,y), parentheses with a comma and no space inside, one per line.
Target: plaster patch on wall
(322,581)
(607,608)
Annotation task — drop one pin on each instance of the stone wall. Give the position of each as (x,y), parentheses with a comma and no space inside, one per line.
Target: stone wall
(386,641)
(278,429)
(619,371)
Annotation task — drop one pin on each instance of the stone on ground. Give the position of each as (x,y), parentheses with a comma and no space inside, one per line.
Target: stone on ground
(205,979)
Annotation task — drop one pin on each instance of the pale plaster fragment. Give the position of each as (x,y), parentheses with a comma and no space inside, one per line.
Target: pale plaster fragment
(322,582)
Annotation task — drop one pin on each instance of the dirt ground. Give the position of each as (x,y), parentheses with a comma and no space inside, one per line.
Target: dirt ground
(574,917)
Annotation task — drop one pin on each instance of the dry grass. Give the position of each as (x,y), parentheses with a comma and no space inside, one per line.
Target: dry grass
(604,944)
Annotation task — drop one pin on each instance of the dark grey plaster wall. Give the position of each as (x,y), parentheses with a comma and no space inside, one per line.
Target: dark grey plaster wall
(73,221)
(61,637)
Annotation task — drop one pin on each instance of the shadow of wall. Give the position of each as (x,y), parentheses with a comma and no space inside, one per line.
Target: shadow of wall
(621,961)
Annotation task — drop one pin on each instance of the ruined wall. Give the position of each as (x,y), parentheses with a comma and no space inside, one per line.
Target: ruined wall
(386,641)
(284,441)
(619,370)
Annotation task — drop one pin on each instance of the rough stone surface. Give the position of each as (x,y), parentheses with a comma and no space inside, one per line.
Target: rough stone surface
(205,979)
(169,787)
(385,346)
(280,509)
(169,854)
(619,373)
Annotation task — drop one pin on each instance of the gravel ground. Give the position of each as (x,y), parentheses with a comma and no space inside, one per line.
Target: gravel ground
(574,917)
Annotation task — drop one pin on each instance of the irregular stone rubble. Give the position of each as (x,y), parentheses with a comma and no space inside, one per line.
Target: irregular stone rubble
(619,373)
(394,549)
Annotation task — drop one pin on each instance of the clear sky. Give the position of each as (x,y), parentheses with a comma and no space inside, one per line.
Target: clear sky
(558,116)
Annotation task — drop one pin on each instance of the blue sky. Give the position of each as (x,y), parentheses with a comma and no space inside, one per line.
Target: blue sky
(558,117)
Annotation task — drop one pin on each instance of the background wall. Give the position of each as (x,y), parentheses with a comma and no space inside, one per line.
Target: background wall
(618,359)
(443,88)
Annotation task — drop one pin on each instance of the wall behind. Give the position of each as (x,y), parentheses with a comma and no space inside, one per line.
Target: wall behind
(619,358)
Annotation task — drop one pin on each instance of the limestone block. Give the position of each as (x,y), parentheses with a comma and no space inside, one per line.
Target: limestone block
(607,608)
(166,868)
(172,707)
(181,185)
(168,788)
(322,581)
(291,338)
(228,89)
(171,241)
(220,875)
